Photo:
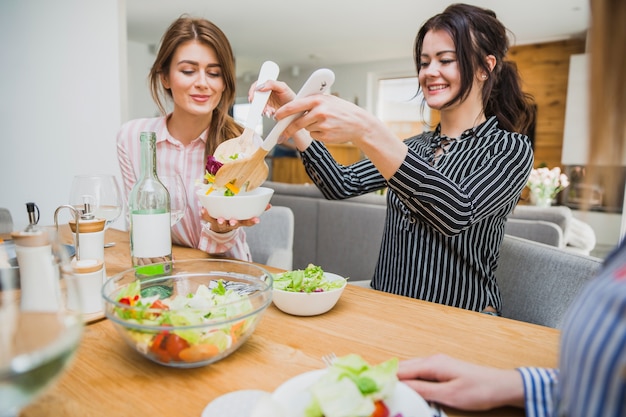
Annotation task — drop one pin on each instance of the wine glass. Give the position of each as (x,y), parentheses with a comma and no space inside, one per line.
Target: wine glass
(178,196)
(101,191)
(40,314)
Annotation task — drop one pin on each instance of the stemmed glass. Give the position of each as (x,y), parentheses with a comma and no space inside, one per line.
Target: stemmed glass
(102,192)
(41,319)
(178,195)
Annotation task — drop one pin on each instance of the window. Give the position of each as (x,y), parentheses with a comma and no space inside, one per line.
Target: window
(240,114)
(400,107)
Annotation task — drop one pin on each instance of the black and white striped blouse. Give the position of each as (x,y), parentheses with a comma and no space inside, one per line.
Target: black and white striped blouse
(445,219)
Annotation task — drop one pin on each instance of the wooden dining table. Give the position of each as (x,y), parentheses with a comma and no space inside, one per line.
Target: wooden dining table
(108,378)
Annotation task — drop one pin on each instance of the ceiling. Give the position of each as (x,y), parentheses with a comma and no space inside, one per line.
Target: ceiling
(319,33)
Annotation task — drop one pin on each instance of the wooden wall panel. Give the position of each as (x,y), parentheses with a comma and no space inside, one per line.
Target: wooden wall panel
(544,69)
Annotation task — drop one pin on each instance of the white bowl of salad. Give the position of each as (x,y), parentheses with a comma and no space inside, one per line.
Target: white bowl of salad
(307,292)
(199,313)
(241,206)
(230,202)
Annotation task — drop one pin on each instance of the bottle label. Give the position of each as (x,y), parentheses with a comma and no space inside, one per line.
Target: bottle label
(151,235)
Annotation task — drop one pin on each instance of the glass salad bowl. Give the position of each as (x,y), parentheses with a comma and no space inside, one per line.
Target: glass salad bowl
(201,312)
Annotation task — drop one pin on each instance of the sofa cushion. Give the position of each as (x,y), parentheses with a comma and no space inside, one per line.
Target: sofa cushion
(349,237)
(538,282)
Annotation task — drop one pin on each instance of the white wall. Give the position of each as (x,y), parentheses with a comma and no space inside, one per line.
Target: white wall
(140,103)
(63,98)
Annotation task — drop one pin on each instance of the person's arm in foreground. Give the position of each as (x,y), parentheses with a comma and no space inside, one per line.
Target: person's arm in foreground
(458,384)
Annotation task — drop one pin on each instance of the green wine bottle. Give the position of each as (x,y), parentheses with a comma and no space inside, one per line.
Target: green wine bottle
(150,218)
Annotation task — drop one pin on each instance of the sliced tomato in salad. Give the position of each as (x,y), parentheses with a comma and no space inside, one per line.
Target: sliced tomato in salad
(167,346)
(380,410)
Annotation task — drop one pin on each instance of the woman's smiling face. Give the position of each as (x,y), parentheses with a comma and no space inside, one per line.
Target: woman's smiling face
(439,75)
(195,79)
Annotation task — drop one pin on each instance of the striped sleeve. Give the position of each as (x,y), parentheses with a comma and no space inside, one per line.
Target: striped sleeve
(539,384)
(453,197)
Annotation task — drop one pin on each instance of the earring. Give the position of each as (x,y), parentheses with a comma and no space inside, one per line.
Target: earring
(484,77)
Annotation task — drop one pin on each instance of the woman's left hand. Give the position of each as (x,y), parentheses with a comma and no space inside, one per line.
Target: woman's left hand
(222,225)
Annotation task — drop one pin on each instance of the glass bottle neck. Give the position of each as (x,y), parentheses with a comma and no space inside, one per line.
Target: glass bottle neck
(148,155)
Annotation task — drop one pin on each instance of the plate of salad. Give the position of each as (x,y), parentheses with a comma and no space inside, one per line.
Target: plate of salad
(307,292)
(351,387)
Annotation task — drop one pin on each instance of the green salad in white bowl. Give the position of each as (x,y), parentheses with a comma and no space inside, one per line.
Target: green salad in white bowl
(307,292)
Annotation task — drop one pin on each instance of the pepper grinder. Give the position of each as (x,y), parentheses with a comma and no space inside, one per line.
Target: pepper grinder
(91,231)
(88,233)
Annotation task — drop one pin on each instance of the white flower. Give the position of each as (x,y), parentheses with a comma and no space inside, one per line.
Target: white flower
(545,183)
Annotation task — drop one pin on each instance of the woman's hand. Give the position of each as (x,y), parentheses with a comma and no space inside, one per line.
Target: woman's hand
(330,119)
(222,225)
(281,94)
(463,385)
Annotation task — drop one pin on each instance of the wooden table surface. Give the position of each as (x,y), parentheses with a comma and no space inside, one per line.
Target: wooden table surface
(107,378)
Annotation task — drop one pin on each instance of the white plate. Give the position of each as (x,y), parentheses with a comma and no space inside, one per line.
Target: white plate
(294,396)
(234,404)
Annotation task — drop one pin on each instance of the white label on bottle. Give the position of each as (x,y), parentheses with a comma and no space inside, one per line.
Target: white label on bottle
(152,236)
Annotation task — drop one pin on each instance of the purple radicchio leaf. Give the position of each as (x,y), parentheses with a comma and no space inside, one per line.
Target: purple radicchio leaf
(212,165)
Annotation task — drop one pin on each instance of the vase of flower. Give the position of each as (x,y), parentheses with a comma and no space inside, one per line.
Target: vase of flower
(545,184)
(540,200)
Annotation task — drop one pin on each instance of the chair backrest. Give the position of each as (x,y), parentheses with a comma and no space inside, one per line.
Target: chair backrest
(271,240)
(538,282)
(6,221)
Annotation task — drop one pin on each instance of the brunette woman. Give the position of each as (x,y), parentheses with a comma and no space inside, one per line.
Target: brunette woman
(450,189)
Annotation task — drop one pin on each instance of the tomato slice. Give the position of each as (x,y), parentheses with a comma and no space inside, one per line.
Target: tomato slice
(174,344)
(380,410)
(159,304)
(158,347)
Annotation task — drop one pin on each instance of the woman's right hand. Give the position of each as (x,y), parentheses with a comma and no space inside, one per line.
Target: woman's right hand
(462,385)
(281,94)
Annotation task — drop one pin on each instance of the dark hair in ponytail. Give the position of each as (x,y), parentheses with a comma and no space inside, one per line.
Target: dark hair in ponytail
(477,33)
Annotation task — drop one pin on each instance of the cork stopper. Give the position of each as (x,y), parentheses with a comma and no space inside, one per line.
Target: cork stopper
(88,226)
(34,238)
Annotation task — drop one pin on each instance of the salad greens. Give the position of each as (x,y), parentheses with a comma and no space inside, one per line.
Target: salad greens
(199,309)
(211,167)
(311,279)
(351,387)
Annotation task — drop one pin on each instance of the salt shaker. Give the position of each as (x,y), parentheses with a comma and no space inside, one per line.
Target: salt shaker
(39,276)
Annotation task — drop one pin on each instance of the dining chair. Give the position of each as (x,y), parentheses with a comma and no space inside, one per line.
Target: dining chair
(6,221)
(538,282)
(271,240)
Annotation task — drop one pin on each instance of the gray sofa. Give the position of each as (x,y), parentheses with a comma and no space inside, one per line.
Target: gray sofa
(343,236)
(554,226)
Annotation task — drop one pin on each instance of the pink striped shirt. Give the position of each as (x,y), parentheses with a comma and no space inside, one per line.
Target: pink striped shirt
(187,161)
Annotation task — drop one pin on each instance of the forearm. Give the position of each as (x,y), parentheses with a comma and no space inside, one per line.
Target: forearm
(386,151)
